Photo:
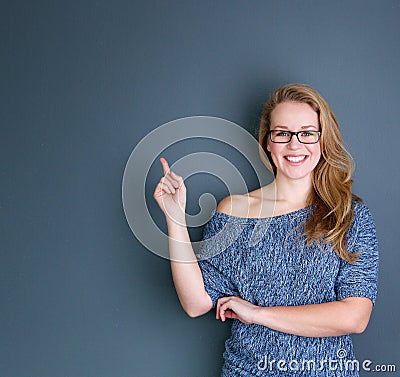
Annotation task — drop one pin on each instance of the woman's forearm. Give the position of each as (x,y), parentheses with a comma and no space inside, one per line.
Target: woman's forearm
(186,273)
(335,318)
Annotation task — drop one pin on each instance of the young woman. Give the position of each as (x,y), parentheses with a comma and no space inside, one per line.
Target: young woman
(311,279)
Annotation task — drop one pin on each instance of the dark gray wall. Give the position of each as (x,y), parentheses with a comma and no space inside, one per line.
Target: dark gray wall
(83,82)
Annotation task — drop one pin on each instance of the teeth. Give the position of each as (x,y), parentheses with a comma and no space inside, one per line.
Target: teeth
(295,159)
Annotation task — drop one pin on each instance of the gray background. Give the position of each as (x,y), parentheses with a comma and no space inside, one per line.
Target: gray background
(83,82)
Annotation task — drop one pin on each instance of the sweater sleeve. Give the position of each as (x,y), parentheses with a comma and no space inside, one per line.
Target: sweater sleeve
(214,258)
(360,279)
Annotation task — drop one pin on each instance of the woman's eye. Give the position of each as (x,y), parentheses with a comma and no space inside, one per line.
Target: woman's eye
(282,133)
(307,133)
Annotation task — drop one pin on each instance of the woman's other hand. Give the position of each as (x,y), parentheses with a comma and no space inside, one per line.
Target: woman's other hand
(170,194)
(237,308)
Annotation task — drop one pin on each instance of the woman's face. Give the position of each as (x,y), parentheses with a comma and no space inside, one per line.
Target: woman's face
(294,159)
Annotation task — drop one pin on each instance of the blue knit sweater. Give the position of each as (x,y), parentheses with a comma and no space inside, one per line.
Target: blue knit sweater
(266,262)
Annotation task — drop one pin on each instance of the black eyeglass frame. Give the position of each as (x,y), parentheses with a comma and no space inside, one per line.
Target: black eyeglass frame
(291,135)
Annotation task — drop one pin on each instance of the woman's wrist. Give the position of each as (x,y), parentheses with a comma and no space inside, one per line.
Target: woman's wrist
(176,220)
(259,315)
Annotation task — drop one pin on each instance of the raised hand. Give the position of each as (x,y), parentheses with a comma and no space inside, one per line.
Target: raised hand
(170,194)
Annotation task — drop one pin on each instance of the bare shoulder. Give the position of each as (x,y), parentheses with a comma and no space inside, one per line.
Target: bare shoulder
(231,204)
(252,204)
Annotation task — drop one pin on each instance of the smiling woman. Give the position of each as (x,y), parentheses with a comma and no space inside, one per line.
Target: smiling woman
(328,186)
(311,279)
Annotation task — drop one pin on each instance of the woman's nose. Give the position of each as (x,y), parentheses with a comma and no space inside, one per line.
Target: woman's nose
(294,142)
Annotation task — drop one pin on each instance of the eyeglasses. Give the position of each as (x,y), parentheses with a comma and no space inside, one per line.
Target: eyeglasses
(304,137)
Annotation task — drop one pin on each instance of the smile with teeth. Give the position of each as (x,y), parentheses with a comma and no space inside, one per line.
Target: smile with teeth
(295,158)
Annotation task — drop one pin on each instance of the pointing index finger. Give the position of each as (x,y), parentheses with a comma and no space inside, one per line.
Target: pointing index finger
(165,165)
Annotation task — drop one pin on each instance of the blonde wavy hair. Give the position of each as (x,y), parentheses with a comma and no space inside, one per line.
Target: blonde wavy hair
(331,196)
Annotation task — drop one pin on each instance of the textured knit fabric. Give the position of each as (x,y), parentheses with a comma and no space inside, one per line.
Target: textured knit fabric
(266,262)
